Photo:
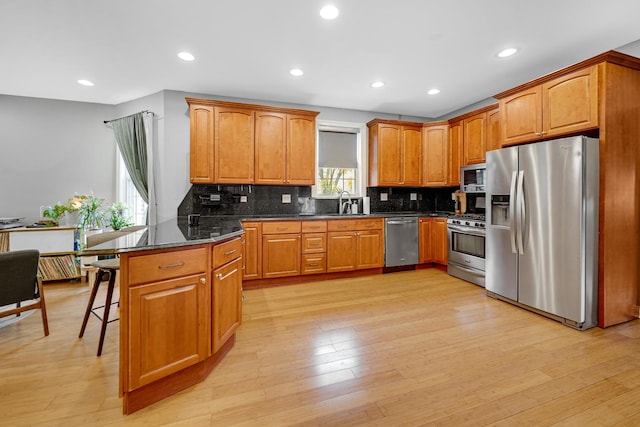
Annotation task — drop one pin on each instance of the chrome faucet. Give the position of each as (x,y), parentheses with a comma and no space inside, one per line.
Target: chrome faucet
(347,204)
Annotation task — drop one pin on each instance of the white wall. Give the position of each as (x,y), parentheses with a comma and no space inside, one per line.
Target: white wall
(50,150)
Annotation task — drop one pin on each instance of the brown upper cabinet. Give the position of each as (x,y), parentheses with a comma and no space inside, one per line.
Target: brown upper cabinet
(475,138)
(238,143)
(494,137)
(564,105)
(455,152)
(435,149)
(470,135)
(395,153)
(233,145)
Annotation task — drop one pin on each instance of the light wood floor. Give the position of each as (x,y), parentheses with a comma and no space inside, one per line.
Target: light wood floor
(409,348)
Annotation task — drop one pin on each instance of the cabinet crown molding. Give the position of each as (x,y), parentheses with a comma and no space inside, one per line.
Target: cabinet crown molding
(256,107)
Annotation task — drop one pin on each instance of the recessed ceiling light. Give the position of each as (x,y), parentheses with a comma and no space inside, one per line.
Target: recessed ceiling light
(329,12)
(296,72)
(377,84)
(85,82)
(186,56)
(507,52)
(433,91)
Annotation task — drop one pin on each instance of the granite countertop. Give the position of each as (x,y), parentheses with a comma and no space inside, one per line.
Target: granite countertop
(176,232)
(171,233)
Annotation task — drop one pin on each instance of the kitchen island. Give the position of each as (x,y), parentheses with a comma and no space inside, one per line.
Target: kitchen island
(180,305)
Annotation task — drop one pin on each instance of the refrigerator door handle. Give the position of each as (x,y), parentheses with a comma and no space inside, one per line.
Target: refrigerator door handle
(512,212)
(520,215)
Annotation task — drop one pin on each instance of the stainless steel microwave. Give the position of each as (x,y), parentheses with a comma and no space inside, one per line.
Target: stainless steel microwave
(472,178)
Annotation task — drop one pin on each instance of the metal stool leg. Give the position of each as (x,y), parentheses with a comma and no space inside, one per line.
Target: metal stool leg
(107,306)
(92,298)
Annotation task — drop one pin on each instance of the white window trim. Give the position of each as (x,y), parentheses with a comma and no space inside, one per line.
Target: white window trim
(363,138)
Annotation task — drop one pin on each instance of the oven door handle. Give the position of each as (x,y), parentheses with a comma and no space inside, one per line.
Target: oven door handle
(467,230)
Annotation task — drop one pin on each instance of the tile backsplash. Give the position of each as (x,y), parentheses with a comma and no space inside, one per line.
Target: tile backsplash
(215,200)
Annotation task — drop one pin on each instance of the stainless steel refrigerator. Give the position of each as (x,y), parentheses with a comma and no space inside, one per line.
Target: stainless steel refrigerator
(542,228)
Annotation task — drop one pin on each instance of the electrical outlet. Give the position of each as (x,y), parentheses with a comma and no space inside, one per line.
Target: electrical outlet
(286,198)
(384,197)
(413,196)
(243,199)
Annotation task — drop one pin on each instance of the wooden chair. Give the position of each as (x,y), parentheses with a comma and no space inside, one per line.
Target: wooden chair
(20,282)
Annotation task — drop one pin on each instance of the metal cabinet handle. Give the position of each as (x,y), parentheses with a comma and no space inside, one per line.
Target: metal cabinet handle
(230,252)
(221,277)
(203,280)
(180,264)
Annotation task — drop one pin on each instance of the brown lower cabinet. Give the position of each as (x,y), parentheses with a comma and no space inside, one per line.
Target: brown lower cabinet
(433,241)
(181,308)
(355,244)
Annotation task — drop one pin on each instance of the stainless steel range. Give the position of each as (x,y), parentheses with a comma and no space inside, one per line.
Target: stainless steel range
(467,247)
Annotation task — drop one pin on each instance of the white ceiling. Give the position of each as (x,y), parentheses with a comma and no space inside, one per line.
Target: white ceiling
(245,48)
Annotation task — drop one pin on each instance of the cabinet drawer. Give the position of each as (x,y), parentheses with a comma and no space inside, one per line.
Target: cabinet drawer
(341,225)
(225,252)
(314,243)
(369,224)
(280,227)
(314,226)
(166,265)
(313,263)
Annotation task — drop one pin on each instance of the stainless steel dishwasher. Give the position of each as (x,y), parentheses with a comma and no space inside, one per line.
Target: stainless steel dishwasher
(401,241)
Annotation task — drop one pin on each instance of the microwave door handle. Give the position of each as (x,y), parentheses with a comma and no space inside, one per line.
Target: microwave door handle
(521,212)
(512,212)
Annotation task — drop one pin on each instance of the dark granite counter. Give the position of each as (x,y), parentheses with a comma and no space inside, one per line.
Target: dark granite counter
(176,232)
(169,234)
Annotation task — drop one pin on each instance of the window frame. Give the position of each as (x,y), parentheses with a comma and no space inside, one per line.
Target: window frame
(361,152)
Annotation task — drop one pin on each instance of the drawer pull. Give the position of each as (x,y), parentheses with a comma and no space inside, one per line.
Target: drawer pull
(282,228)
(180,264)
(221,277)
(230,252)
(203,280)
(342,226)
(315,264)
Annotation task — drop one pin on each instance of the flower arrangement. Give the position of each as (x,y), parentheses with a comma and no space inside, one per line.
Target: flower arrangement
(90,212)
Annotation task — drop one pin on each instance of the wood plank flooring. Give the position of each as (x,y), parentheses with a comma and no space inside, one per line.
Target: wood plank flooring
(401,349)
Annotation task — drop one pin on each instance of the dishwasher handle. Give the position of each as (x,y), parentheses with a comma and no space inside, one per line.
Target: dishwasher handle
(401,221)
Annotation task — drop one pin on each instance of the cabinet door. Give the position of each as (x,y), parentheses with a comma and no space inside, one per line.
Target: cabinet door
(201,144)
(435,164)
(234,145)
(168,327)
(424,238)
(226,302)
(370,249)
(411,162)
(439,240)
(341,251)
(280,255)
(521,116)
(389,152)
(475,138)
(301,150)
(493,130)
(455,153)
(252,252)
(270,148)
(570,103)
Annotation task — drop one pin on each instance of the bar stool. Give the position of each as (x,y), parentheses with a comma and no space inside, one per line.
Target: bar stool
(104,266)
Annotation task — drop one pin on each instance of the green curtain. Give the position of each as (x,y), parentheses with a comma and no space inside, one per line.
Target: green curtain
(131,139)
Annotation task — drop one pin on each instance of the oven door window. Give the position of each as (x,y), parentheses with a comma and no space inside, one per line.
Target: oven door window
(467,244)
